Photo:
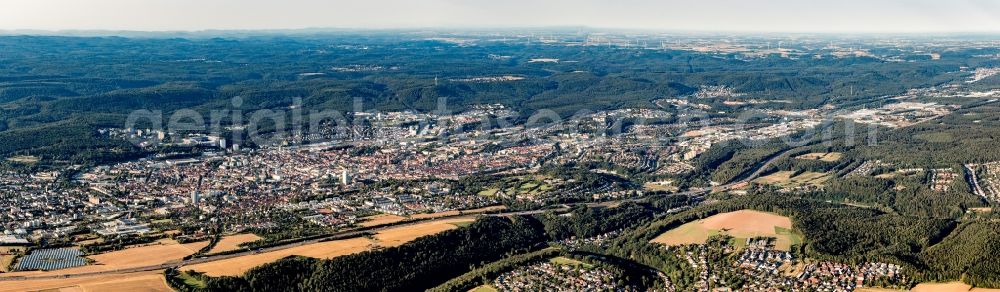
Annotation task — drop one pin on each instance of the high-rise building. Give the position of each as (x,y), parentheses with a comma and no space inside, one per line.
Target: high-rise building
(345,177)
(195,198)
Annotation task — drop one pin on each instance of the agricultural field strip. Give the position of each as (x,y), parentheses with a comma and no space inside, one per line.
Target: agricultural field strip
(213,258)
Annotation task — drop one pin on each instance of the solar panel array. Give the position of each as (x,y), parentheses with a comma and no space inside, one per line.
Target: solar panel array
(51,259)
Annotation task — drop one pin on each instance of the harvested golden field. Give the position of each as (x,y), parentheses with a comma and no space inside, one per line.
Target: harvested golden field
(154,282)
(484,288)
(5,261)
(24,159)
(942,287)
(330,249)
(822,156)
(163,251)
(664,186)
(380,219)
(748,221)
(232,242)
(740,225)
(777,177)
(399,236)
(239,265)
(949,287)
(789,179)
(7,254)
(145,281)
(981,209)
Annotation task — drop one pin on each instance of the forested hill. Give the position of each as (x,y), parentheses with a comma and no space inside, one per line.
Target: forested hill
(59,89)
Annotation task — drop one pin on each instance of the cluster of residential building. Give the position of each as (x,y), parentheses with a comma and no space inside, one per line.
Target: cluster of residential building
(38,206)
(713,91)
(681,103)
(831,276)
(699,140)
(759,255)
(329,184)
(360,169)
(148,138)
(490,79)
(549,276)
(868,167)
(668,148)
(353,68)
(985,180)
(758,266)
(763,267)
(280,176)
(942,179)
(983,73)
(597,241)
(702,259)
(631,158)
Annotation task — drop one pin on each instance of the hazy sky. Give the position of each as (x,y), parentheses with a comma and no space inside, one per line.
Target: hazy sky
(702,15)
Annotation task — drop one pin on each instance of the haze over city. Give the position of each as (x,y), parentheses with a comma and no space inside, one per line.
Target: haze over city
(499,146)
(720,15)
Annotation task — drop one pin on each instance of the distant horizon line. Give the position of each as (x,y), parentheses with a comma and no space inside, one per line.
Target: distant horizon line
(564,28)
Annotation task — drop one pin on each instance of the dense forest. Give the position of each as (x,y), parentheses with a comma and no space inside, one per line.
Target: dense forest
(433,260)
(421,264)
(60,89)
